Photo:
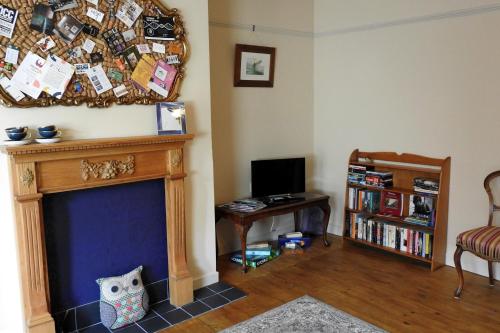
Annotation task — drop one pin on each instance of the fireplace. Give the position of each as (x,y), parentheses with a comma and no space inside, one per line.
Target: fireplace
(39,170)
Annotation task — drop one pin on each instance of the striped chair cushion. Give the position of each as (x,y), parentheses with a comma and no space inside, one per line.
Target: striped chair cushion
(484,241)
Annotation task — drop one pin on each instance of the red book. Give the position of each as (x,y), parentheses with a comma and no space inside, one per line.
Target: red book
(391,203)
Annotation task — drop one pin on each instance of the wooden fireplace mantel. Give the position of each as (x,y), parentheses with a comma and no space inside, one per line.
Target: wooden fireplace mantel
(37,169)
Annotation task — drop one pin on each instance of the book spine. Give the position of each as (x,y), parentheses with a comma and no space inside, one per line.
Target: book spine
(258,253)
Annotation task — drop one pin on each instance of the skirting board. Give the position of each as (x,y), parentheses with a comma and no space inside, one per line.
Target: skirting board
(205,280)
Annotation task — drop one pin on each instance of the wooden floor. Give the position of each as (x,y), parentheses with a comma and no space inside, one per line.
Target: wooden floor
(385,290)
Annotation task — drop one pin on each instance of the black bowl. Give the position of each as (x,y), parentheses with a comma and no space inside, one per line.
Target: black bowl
(22,129)
(47,134)
(16,136)
(47,128)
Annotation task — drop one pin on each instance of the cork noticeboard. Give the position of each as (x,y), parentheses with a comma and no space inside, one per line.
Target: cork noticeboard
(24,38)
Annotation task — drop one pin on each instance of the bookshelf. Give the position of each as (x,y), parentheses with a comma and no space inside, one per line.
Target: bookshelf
(393,230)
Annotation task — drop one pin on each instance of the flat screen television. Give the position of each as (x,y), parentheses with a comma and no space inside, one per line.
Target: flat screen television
(278,176)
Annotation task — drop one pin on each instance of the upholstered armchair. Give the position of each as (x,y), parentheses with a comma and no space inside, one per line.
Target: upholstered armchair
(484,242)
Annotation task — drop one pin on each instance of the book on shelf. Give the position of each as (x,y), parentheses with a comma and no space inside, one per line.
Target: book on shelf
(421,210)
(357,173)
(378,179)
(364,200)
(423,185)
(417,243)
(391,203)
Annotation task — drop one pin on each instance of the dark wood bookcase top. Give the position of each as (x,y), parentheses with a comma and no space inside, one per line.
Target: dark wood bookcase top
(405,168)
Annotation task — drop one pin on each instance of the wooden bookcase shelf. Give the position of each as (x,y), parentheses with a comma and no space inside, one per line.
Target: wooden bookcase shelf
(405,168)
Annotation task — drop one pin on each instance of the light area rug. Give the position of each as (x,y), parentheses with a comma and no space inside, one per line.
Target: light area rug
(304,314)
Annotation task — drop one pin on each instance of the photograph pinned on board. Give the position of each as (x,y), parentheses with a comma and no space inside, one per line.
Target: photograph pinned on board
(42,19)
(68,28)
(254,66)
(171,118)
(58,5)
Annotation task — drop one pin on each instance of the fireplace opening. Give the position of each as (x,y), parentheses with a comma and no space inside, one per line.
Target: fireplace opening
(101,232)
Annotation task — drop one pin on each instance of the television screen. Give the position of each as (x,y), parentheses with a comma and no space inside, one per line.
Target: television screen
(280,176)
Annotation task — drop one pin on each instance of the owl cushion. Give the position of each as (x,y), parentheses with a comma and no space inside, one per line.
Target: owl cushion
(123,299)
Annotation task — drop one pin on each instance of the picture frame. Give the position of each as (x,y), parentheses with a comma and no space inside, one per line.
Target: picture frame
(171,118)
(254,66)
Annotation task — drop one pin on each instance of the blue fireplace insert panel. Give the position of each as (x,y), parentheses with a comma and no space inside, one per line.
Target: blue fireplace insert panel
(103,232)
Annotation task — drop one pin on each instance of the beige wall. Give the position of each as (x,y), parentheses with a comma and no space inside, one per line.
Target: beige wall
(80,122)
(259,123)
(428,88)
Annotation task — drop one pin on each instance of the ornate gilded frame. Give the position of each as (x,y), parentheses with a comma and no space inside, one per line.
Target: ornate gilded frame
(26,42)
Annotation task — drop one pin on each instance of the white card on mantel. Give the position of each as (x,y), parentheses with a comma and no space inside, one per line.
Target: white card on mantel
(95,14)
(88,45)
(158,48)
(143,48)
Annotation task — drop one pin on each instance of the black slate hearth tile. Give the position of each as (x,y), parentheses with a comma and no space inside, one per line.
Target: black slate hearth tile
(163,307)
(154,324)
(65,321)
(196,308)
(233,294)
(219,286)
(157,291)
(203,293)
(215,301)
(99,328)
(176,316)
(132,328)
(149,315)
(88,315)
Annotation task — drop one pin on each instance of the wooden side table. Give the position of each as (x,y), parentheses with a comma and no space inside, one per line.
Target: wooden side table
(243,221)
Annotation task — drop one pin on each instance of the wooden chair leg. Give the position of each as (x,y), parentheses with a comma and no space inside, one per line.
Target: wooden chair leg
(490,271)
(458,266)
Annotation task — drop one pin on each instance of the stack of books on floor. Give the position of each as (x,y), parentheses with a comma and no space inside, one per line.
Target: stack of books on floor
(294,243)
(244,205)
(418,243)
(364,200)
(429,186)
(421,210)
(257,254)
(378,179)
(357,174)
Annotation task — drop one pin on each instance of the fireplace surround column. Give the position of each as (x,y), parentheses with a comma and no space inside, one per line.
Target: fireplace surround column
(36,169)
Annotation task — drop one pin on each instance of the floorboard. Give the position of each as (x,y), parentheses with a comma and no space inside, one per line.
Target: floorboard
(394,293)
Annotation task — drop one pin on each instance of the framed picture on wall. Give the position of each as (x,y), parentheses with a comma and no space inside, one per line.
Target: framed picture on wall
(254,66)
(171,118)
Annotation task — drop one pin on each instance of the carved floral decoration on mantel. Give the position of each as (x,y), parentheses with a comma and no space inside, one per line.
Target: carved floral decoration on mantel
(107,169)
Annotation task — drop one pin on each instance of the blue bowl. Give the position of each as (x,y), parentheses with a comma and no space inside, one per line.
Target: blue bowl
(16,136)
(47,134)
(47,128)
(22,129)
